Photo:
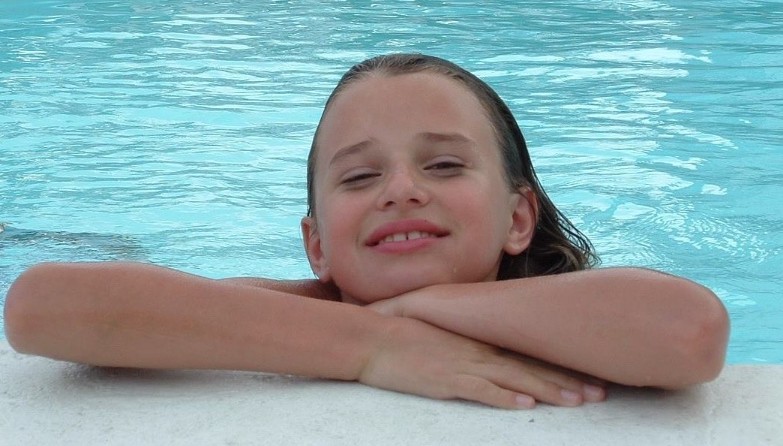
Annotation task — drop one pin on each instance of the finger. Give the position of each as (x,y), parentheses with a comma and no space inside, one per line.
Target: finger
(591,388)
(583,377)
(594,394)
(543,384)
(474,388)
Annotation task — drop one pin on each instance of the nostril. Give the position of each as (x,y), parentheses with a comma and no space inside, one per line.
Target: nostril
(409,200)
(401,188)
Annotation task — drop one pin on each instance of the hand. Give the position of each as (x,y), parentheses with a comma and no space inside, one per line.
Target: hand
(415,357)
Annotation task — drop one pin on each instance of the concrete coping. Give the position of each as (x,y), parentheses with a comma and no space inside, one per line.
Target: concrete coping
(50,402)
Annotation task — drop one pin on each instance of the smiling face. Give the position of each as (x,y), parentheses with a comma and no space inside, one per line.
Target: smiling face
(409,190)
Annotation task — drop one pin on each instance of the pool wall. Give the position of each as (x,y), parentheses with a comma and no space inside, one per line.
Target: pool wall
(51,402)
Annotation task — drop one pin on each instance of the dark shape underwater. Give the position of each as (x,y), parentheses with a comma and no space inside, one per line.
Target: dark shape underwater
(72,245)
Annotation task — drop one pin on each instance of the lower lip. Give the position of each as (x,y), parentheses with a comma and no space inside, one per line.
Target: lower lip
(405,246)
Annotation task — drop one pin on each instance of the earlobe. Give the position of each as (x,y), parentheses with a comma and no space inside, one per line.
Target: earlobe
(313,248)
(523,221)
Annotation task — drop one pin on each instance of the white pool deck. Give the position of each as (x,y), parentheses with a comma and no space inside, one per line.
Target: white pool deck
(44,402)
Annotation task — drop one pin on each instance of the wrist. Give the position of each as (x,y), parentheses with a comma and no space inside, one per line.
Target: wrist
(420,304)
(378,334)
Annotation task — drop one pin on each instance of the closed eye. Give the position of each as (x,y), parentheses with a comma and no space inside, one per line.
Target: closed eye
(357,178)
(445,165)
(448,167)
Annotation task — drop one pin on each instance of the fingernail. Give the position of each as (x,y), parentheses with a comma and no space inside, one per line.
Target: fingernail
(594,393)
(571,397)
(525,402)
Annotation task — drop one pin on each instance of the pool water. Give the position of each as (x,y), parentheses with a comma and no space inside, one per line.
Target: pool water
(176,132)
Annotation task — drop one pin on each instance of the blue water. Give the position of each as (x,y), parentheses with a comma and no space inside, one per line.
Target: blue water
(176,132)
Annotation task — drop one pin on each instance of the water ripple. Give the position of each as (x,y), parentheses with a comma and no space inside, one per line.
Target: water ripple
(182,128)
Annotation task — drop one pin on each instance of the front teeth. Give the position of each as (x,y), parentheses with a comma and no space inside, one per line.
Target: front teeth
(402,236)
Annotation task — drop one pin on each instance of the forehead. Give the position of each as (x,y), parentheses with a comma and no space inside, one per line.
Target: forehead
(388,108)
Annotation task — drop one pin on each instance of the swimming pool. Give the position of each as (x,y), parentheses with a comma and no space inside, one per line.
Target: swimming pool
(176,132)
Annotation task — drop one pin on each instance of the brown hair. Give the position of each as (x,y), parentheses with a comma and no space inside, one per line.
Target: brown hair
(557,245)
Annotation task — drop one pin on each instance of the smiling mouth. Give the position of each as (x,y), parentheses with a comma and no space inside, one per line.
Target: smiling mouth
(406,232)
(403,236)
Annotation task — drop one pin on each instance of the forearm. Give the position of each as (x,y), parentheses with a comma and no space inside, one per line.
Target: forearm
(137,315)
(630,326)
(304,287)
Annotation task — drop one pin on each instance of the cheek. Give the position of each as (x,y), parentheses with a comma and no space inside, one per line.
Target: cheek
(495,214)
(339,224)
(488,200)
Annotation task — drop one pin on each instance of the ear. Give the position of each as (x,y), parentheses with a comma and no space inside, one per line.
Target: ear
(315,254)
(524,218)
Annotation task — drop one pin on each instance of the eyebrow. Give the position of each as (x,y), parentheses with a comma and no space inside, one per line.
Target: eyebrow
(434,137)
(429,137)
(350,150)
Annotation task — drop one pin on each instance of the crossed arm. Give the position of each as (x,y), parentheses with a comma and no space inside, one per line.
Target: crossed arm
(630,326)
(446,346)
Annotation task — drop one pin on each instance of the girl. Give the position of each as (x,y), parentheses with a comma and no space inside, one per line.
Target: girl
(443,270)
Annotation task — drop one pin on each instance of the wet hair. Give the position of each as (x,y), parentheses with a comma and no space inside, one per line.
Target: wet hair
(557,245)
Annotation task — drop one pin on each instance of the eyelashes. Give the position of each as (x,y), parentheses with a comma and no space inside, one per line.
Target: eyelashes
(359,177)
(445,166)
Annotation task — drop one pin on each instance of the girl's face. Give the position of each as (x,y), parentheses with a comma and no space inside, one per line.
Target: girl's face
(409,190)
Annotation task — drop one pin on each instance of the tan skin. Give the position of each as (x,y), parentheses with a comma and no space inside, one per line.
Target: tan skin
(434,324)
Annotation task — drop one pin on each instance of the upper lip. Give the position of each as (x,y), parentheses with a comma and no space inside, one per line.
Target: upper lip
(404,226)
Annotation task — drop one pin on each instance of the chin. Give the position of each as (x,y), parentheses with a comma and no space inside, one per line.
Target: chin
(386,289)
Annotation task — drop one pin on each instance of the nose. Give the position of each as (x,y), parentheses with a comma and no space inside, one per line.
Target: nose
(403,189)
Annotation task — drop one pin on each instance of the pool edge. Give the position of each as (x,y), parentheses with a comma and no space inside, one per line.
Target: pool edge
(45,401)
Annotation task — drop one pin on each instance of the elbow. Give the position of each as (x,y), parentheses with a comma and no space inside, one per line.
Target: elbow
(23,308)
(701,342)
